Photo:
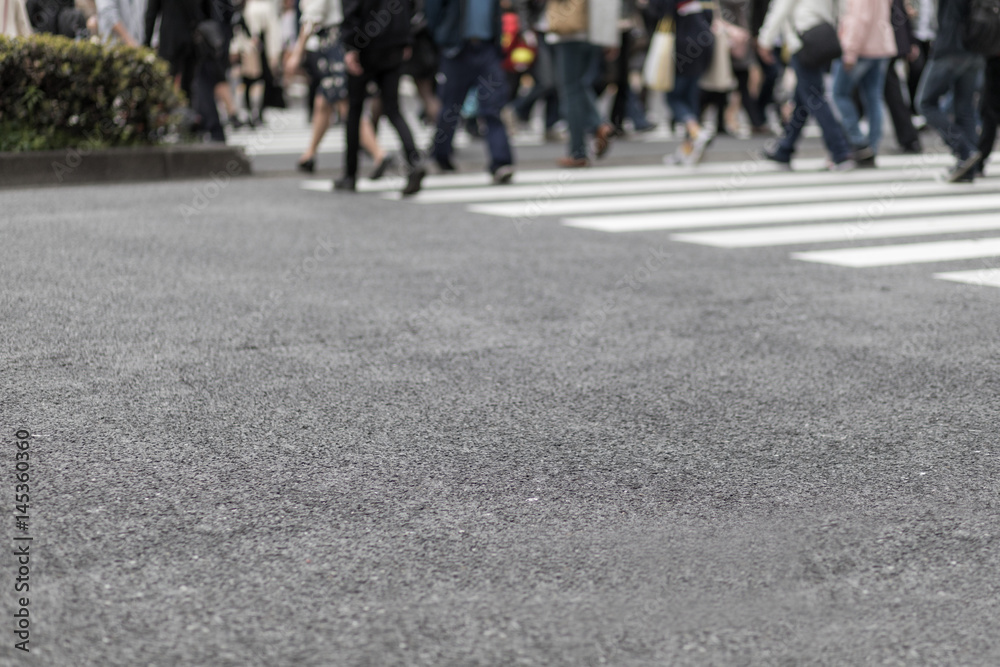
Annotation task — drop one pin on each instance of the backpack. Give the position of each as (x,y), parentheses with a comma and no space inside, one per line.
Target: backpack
(981,32)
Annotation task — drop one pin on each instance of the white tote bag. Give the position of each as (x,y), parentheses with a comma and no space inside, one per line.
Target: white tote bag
(661,59)
(719,77)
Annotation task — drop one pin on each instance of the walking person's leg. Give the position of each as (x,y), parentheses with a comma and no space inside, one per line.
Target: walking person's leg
(493,95)
(813,91)
(990,110)
(388,83)
(356,90)
(965,88)
(845,81)
(871,88)
(570,70)
(899,111)
(457,81)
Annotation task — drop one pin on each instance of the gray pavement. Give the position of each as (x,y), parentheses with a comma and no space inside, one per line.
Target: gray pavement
(293,428)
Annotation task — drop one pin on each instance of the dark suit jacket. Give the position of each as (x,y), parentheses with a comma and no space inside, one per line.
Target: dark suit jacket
(177,21)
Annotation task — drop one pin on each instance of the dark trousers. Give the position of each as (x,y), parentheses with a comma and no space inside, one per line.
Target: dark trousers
(203,101)
(899,110)
(384,67)
(620,104)
(989,104)
(956,74)
(916,71)
(477,64)
(810,99)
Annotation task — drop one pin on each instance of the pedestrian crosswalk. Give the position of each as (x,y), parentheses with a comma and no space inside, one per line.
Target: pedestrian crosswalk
(288,132)
(839,219)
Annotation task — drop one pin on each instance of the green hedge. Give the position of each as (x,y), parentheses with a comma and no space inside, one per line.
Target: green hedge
(60,93)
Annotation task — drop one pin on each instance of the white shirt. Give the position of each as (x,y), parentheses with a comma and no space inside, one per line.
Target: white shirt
(130,13)
(322,12)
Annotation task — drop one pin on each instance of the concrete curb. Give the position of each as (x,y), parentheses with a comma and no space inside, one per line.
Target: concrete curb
(76,166)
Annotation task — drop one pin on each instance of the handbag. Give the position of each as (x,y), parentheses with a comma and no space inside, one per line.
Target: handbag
(567,17)
(209,42)
(661,59)
(820,46)
(719,76)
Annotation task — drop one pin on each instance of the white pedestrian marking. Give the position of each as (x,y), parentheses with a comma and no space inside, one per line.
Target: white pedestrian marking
(846,232)
(706,200)
(751,205)
(829,211)
(717,189)
(910,253)
(983,277)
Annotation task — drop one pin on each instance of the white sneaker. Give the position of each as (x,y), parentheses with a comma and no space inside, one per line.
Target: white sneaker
(846,165)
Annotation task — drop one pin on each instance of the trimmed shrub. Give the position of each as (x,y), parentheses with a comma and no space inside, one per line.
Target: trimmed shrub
(59,93)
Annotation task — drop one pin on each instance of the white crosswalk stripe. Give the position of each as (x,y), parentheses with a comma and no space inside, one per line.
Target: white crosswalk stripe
(750,204)
(288,132)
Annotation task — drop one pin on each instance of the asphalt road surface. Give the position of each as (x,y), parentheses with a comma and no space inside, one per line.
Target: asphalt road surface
(271,425)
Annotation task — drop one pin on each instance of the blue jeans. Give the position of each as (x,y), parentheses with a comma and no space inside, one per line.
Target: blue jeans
(810,98)
(475,65)
(577,65)
(868,77)
(684,99)
(956,74)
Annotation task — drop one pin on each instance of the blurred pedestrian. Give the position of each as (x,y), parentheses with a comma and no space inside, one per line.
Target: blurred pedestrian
(584,31)
(787,20)
(907,52)
(953,69)
(868,43)
(989,111)
(468,33)
(695,45)
(377,58)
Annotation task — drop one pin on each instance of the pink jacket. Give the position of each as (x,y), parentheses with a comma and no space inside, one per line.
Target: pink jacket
(866,30)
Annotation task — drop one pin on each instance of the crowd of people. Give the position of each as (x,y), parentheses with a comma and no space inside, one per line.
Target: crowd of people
(485,64)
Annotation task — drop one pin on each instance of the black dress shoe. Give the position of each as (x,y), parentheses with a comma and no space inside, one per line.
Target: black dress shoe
(308,166)
(446,166)
(414,180)
(381,167)
(345,184)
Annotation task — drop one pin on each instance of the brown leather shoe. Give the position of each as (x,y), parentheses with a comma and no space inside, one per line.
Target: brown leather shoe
(573,162)
(602,139)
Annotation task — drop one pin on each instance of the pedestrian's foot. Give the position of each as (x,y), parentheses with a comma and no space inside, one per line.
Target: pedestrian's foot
(781,163)
(963,172)
(308,166)
(573,162)
(414,180)
(844,165)
(864,157)
(554,136)
(445,165)
(602,140)
(380,169)
(913,148)
(698,146)
(503,174)
(345,184)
